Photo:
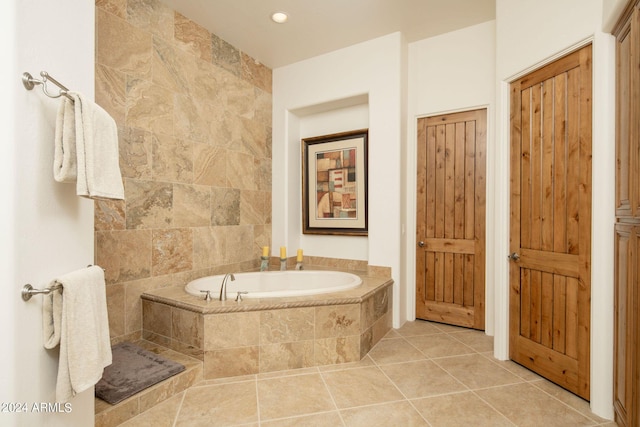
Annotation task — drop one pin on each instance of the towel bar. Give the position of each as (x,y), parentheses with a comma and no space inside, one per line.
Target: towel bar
(30,82)
(28,291)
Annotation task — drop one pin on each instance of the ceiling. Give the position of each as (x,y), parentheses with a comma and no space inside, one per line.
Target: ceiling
(320,26)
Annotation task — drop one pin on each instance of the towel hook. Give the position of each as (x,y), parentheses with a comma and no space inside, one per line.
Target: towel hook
(29,82)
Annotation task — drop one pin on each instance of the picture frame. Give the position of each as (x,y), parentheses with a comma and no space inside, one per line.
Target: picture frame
(334,183)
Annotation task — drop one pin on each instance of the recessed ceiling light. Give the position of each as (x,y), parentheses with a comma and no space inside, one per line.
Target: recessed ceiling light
(279,17)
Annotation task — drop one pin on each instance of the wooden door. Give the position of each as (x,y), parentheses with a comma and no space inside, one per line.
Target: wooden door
(550,236)
(450,253)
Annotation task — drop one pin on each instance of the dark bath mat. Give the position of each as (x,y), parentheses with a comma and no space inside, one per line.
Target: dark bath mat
(133,369)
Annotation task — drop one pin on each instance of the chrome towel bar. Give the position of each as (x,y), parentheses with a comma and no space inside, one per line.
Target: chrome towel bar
(30,82)
(28,291)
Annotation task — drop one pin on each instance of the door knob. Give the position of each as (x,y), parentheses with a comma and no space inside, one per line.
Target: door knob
(421,244)
(514,256)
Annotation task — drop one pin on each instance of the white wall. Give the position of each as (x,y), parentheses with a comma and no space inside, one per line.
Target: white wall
(451,72)
(375,69)
(530,33)
(46,230)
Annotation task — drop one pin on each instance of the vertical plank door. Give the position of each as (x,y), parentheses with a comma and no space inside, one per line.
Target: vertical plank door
(450,252)
(550,236)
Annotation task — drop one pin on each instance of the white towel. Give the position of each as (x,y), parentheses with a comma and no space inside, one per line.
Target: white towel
(80,325)
(65,167)
(94,141)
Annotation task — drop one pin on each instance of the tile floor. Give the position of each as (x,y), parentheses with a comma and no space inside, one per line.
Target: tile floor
(423,374)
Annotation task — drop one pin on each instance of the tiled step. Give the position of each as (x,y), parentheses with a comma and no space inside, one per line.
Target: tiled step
(107,415)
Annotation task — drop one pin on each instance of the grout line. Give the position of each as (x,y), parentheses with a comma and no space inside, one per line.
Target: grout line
(333,400)
(184,395)
(258,401)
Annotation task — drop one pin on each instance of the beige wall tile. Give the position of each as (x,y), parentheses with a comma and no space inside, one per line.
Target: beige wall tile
(116,7)
(172,159)
(136,153)
(337,320)
(331,351)
(192,37)
(225,206)
(148,204)
(187,327)
(152,16)
(191,206)
(115,302)
(121,46)
(287,355)
(172,250)
(149,107)
(125,255)
(231,330)
(110,92)
(209,246)
(286,325)
(256,73)
(225,55)
(209,165)
(133,303)
(231,362)
(157,318)
(109,215)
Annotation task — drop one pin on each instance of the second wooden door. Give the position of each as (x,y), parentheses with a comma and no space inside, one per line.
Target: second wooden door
(450,253)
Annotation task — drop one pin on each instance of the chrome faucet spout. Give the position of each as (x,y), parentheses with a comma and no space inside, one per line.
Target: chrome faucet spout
(223,287)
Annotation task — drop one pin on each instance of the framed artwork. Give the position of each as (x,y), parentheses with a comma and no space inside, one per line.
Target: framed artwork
(334,184)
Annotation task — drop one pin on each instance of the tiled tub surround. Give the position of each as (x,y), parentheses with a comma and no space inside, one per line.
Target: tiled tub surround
(265,335)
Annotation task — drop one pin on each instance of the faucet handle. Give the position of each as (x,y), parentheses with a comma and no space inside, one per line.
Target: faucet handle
(207,297)
(239,297)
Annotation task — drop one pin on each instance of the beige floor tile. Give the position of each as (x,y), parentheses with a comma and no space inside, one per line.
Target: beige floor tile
(477,340)
(325,419)
(476,371)
(391,334)
(161,415)
(394,351)
(450,329)
(514,368)
(384,415)
(366,361)
(439,345)
(360,386)
(526,405)
(459,410)
(418,327)
(219,405)
(568,398)
(421,379)
(291,396)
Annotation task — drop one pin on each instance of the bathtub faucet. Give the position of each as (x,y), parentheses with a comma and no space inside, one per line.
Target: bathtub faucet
(223,288)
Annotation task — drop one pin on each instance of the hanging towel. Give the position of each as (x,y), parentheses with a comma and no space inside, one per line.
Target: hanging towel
(99,174)
(64,159)
(86,149)
(80,325)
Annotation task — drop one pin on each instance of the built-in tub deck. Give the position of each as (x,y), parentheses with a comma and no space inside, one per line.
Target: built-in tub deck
(270,334)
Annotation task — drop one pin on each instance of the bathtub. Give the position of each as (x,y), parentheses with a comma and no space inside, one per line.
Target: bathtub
(271,284)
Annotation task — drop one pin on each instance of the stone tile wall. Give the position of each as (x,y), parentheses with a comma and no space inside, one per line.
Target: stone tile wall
(194,122)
